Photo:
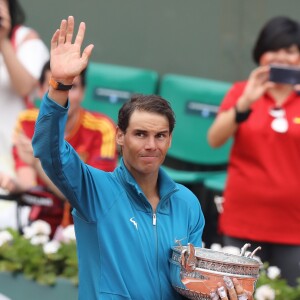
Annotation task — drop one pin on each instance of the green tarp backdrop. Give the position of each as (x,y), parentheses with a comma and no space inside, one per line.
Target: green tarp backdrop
(211,39)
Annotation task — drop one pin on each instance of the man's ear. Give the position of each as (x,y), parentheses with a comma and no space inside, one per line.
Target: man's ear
(119,136)
(170,142)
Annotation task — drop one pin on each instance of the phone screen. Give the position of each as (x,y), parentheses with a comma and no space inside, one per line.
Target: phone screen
(284,74)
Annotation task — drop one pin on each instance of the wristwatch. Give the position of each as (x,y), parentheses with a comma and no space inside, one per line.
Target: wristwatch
(59,86)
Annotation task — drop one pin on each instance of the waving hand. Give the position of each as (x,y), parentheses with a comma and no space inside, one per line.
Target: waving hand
(67,61)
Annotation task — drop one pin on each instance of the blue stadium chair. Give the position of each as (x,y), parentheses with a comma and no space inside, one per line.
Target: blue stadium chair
(195,102)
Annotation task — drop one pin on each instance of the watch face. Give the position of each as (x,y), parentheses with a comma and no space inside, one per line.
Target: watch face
(63,87)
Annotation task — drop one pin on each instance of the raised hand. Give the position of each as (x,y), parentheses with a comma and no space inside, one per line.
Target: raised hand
(67,62)
(258,83)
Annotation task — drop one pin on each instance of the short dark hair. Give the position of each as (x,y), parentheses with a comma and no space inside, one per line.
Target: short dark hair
(277,33)
(148,103)
(46,68)
(17,14)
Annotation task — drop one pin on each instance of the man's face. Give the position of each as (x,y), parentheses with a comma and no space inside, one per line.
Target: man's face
(145,143)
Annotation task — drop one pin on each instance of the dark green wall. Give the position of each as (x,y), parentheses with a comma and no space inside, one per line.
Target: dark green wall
(211,38)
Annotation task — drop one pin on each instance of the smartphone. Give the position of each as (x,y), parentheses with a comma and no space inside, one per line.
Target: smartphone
(285,74)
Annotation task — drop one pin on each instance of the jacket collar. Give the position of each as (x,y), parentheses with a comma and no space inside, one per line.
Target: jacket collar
(167,187)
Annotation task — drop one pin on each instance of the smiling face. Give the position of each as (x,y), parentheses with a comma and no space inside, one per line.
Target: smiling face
(285,56)
(145,143)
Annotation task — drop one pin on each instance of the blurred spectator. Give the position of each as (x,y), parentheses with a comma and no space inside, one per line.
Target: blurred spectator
(22,56)
(91,134)
(262,194)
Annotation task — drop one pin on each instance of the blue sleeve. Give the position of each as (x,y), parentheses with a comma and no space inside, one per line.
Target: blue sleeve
(60,161)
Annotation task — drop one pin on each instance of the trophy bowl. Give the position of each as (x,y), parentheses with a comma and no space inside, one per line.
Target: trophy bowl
(196,271)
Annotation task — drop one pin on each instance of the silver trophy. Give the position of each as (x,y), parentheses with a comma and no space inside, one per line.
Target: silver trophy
(196,271)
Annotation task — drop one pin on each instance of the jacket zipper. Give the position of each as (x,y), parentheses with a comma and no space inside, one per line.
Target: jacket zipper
(156,248)
(154,219)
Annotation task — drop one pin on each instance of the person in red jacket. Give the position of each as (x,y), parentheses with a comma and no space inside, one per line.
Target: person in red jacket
(91,134)
(262,193)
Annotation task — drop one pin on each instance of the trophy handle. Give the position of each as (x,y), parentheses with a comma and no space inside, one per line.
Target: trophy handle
(188,259)
(250,254)
(244,249)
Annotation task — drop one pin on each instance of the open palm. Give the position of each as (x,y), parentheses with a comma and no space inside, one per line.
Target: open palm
(67,62)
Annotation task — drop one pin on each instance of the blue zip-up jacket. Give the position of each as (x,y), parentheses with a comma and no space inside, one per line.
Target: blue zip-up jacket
(123,245)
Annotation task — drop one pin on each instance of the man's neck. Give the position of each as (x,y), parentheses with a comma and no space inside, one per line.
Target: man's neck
(149,186)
